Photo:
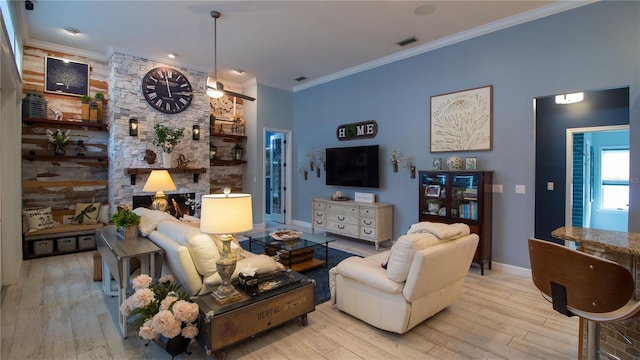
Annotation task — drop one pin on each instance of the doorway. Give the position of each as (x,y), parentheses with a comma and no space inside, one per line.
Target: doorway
(597,174)
(277,197)
(553,188)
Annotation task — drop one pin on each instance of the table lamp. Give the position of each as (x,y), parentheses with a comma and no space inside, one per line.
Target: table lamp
(224,215)
(159,181)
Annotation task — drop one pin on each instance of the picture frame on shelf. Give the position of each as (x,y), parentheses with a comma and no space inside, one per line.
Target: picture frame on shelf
(433,191)
(471,163)
(66,77)
(448,133)
(436,164)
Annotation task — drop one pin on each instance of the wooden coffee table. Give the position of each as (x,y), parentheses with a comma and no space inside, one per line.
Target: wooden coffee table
(224,325)
(297,255)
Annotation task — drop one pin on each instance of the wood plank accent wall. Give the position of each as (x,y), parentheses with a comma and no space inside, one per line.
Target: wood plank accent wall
(63,182)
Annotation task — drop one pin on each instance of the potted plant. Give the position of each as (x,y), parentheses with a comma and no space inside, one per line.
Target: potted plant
(100,101)
(85,106)
(126,222)
(167,139)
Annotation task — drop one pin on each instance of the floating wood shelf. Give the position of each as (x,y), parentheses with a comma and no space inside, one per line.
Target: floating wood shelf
(132,172)
(65,123)
(219,162)
(32,155)
(230,136)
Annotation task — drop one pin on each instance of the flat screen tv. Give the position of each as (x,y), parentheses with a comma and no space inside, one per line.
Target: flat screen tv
(353,166)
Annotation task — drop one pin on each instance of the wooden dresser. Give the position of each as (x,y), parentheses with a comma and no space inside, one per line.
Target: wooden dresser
(366,221)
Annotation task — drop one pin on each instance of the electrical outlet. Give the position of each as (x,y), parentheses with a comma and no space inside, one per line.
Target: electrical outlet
(496,188)
(520,189)
(550,185)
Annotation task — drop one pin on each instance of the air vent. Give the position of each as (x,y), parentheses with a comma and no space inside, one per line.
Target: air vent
(301,78)
(408,41)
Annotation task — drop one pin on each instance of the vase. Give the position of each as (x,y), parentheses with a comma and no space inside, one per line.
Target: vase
(166,160)
(59,150)
(174,346)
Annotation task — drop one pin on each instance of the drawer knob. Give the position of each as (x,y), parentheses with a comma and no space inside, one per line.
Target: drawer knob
(341,227)
(367,223)
(341,218)
(367,232)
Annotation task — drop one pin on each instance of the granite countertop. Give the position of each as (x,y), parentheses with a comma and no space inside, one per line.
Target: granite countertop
(624,242)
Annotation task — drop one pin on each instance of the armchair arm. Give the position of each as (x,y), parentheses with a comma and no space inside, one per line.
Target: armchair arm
(364,271)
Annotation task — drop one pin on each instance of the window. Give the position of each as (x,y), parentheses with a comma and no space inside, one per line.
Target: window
(615,179)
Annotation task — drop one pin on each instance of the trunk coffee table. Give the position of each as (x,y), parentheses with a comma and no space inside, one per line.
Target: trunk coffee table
(298,254)
(282,296)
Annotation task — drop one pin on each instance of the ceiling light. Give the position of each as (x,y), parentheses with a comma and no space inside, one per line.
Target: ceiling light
(300,78)
(172,55)
(569,98)
(238,71)
(424,9)
(72,30)
(214,88)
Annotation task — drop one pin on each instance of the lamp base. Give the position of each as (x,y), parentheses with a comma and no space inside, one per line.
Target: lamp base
(160,202)
(226,265)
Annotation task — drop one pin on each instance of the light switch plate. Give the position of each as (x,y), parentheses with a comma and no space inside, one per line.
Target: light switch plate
(496,188)
(520,189)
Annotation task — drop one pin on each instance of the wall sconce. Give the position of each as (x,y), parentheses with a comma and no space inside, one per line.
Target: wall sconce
(196,132)
(408,165)
(213,152)
(304,172)
(133,127)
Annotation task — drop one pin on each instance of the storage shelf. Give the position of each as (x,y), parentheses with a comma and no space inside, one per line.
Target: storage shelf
(132,172)
(230,136)
(218,162)
(32,155)
(65,123)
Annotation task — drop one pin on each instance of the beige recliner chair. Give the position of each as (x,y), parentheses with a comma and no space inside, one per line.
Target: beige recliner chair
(425,271)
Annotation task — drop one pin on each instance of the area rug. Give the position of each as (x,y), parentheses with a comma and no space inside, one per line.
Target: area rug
(320,275)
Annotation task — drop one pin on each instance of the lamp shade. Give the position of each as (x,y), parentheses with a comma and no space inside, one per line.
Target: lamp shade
(226,214)
(159,180)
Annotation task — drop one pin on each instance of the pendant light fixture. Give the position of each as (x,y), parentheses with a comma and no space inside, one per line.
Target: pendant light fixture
(214,88)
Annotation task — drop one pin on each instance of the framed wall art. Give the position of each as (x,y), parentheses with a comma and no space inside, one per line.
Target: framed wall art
(471,163)
(462,121)
(66,77)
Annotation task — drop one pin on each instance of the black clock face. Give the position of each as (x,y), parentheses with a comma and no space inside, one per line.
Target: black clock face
(167,90)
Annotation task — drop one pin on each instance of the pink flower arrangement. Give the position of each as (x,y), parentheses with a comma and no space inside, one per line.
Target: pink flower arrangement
(161,309)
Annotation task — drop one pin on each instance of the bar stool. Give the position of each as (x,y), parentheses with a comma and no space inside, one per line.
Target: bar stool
(576,283)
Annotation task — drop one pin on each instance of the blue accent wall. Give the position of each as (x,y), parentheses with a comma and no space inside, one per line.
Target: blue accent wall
(596,46)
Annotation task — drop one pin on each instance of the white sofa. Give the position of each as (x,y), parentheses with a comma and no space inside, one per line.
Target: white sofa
(190,256)
(424,274)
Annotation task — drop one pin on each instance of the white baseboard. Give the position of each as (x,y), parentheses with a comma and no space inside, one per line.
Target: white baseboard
(510,269)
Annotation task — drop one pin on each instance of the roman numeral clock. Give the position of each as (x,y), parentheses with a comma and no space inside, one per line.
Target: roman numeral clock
(167,90)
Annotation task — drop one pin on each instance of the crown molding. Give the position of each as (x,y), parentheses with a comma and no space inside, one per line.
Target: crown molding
(522,18)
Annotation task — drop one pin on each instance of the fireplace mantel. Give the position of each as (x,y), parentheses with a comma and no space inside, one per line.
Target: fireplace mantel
(133,172)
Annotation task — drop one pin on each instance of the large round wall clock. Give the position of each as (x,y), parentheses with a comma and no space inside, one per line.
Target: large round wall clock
(167,90)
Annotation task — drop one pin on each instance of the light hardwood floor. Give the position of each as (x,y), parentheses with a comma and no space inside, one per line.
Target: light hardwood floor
(57,312)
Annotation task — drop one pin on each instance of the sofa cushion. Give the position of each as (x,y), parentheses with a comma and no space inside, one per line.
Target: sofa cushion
(39,219)
(402,253)
(86,213)
(204,253)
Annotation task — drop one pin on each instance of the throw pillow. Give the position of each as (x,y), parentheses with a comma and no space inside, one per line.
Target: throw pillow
(203,253)
(39,219)
(104,216)
(86,213)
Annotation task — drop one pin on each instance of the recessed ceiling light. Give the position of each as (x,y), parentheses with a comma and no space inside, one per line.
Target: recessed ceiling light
(424,9)
(172,55)
(72,30)
(238,71)
(300,78)
(408,41)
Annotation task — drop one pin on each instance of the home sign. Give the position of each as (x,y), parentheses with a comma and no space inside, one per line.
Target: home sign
(359,130)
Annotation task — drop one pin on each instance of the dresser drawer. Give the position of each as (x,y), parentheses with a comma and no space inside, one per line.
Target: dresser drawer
(342,218)
(367,211)
(319,205)
(368,233)
(365,221)
(345,209)
(342,228)
(320,223)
